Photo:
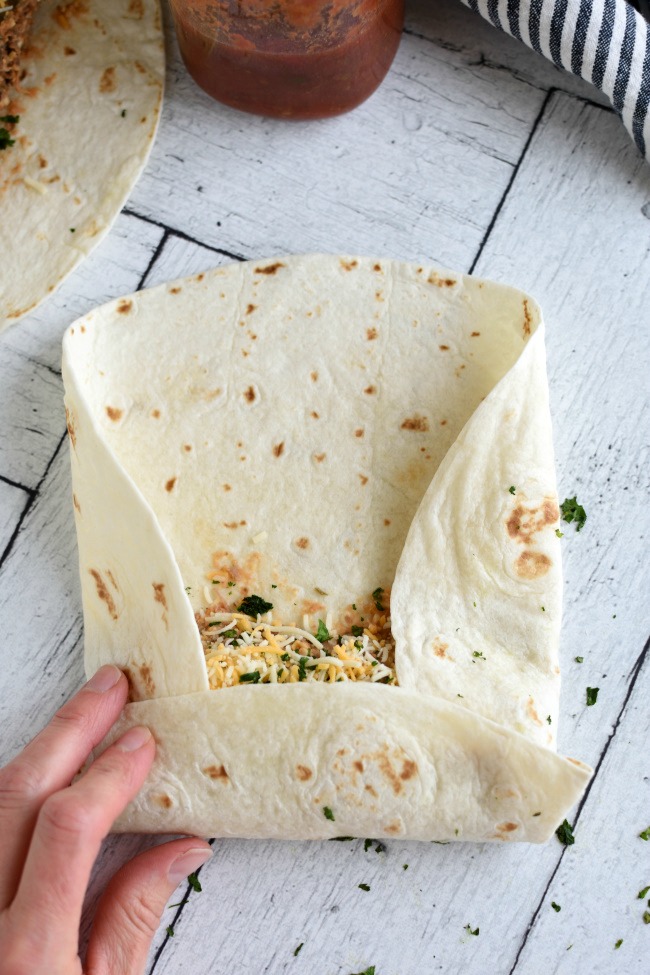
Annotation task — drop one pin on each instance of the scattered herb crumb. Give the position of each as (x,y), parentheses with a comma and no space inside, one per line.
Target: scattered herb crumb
(579,660)
(479,653)
(543,609)
(365,887)
(252,677)
(592,695)
(468,928)
(556,907)
(548,719)
(366,845)
(356,630)
(646,917)
(170,931)
(376,596)
(645,835)
(405,866)
(297,951)
(328,814)
(380,848)
(559,533)
(368,971)
(573,512)
(273,586)
(564,833)
(617,944)
(194,883)
(73,230)
(252,605)
(123,113)
(537,813)
(643,893)
(512,489)
(322,633)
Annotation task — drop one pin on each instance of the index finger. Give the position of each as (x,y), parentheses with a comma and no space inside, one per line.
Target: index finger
(49,763)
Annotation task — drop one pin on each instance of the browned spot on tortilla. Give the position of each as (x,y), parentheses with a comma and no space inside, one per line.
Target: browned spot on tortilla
(250,308)
(528,318)
(506,827)
(42,162)
(159,593)
(310,606)
(75,502)
(72,433)
(270,268)
(104,594)
(175,291)
(136,8)
(371,789)
(319,458)
(217,772)
(315,415)
(155,414)
(389,772)
(532,565)
(139,67)
(358,765)
(363,479)
(302,543)
(147,679)
(65,11)
(227,569)
(107,81)
(417,422)
(376,267)
(232,524)
(532,713)
(113,413)
(83,329)
(440,282)
(440,649)
(444,348)
(314,376)
(124,306)
(163,800)
(475,335)
(199,277)
(227,487)
(187,447)
(371,334)
(111,579)
(443,423)
(348,265)
(69,51)
(524,523)
(169,485)
(359,432)
(132,694)
(387,522)
(249,395)
(369,390)
(278,449)
(409,769)
(394,828)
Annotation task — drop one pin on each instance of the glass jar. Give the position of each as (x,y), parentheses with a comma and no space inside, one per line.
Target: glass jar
(298,59)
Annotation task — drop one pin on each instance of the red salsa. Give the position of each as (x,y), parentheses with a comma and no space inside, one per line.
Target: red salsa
(299,59)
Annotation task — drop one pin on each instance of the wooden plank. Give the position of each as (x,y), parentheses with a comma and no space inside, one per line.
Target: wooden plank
(441,143)
(12,504)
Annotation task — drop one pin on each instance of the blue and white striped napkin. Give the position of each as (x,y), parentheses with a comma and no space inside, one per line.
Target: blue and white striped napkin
(606,42)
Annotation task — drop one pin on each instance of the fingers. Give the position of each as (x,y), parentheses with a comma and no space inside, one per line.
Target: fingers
(49,763)
(66,840)
(129,912)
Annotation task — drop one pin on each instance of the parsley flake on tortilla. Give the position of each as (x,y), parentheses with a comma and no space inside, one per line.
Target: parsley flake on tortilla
(328,814)
(254,606)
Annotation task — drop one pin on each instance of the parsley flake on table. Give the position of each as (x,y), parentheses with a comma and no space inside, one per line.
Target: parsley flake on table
(380,848)
(368,971)
(254,605)
(617,944)
(366,845)
(592,695)
(564,833)
(573,512)
(328,814)
(475,932)
(646,917)
(645,835)
(170,931)
(643,893)
(559,533)
(405,866)
(365,887)
(194,883)
(322,634)
(296,952)
(556,907)
(579,660)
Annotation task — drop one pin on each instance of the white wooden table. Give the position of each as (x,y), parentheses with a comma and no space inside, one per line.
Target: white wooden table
(479,155)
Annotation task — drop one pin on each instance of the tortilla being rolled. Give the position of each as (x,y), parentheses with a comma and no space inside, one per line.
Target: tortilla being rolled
(302,433)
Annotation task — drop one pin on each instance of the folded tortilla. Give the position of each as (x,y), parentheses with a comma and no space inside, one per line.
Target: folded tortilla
(312,430)
(87,109)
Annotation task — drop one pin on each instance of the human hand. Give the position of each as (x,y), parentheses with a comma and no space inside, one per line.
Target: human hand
(50,835)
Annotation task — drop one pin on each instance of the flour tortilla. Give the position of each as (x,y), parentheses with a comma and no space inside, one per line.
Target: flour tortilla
(326,425)
(89,107)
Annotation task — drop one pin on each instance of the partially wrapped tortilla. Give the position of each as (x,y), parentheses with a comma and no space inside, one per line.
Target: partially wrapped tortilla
(317,520)
(82,122)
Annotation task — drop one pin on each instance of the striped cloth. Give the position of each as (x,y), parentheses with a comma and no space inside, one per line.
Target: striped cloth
(605,42)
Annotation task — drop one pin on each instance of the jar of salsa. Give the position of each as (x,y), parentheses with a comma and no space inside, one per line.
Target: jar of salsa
(298,59)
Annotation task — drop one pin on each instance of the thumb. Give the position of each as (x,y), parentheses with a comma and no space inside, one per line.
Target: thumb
(129,911)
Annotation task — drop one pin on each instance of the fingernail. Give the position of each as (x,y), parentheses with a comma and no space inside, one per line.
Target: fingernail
(105,678)
(133,739)
(186,864)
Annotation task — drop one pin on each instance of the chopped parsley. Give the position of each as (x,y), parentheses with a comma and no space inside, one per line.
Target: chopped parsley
(73,230)
(254,605)
(548,719)
(579,660)
(366,845)
(297,951)
(323,634)
(5,139)
(559,533)
(188,590)
(194,883)
(376,597)
(302,668)
(273,586)
(468,928)
(556,907)
(356,630)
(537,813)
(645,835)
(328,814)
(10,119)
(250,678)
(479,653)
(643,893)
(564,833)
(231,585)
(617,944)
(170,931)
(368,971)
(365,887)
(284,656)
(123,113)
(380,848)
(646,917)
(592,695)
(512,489)
(573,512)
(405,866)
(543,609)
